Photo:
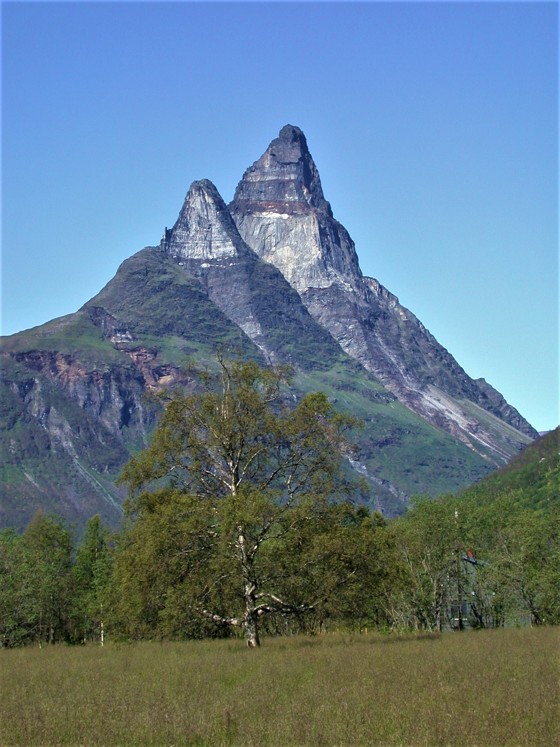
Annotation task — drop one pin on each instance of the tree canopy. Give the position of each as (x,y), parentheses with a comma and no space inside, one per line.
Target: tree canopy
(245,469)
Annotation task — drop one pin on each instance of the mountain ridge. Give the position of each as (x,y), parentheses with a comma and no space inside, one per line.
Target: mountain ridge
(272,276)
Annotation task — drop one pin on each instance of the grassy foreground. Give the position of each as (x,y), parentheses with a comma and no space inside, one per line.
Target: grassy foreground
(487,688)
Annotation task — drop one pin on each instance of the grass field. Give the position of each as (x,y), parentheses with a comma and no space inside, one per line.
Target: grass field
(487,688)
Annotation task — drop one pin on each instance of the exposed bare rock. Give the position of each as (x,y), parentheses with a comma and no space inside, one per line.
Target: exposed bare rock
(204,229)
(280,211)
(254,295)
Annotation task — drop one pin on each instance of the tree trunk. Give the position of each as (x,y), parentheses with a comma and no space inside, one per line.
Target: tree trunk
(251,630)
(250,620)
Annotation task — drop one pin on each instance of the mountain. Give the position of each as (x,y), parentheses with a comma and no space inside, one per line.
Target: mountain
(273,276)
(280,211)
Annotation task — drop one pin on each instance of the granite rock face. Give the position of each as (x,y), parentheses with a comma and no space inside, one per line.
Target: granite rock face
(254,295)
(204,229)
(281,213)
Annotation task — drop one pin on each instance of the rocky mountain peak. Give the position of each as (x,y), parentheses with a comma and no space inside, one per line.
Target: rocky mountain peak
(292,133)
(284,179)
(282,215)
(204,228)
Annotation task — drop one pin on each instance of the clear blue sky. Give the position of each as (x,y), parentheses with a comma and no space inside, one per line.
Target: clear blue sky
(433,125)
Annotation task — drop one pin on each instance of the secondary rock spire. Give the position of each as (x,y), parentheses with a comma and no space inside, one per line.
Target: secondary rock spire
(204,228)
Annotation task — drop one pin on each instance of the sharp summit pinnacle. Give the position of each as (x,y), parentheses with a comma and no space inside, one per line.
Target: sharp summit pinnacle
(282,215)
(285,176)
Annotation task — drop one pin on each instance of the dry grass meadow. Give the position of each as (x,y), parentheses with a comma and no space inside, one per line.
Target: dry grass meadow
(487,688)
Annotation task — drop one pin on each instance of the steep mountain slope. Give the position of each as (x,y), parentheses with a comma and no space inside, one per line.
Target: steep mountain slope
(74,403)
(280,211)
(74,400)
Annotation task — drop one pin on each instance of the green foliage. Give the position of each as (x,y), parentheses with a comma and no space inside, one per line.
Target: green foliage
(427,540)
(92,573)
(487,557)
(498,560)
(261,472)
(48,546)
(520,559)
(17,612)
(48,592)
(211,443)
(163,561)
(238,518)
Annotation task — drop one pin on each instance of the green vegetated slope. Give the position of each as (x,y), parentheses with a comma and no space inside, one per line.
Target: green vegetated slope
(69,393)
(160,304)
(533,477)
(73,402)
(293,334)
(55,453)
(399,453)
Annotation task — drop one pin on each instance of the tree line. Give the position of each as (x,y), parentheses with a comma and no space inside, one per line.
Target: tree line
(240,521)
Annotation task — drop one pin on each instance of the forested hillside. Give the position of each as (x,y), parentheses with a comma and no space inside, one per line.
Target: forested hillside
(240,520)
(534,475)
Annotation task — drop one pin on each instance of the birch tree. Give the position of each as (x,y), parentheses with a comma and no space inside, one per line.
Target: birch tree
(92,573)
(259,470)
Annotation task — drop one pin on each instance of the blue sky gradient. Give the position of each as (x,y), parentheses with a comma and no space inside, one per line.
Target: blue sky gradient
(434,127)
